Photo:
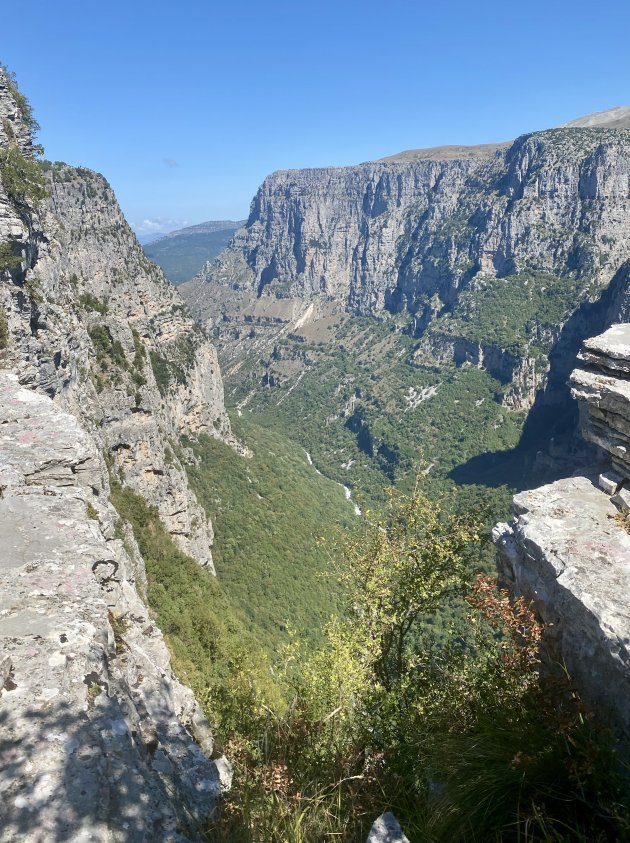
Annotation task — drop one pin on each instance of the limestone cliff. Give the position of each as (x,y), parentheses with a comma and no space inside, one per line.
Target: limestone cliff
(95,732)
(435,237)
(568,547)
(470,274)
(101,372)
(95,325)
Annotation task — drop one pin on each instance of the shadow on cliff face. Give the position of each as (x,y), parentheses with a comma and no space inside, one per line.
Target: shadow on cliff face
(550,446)
(69,775)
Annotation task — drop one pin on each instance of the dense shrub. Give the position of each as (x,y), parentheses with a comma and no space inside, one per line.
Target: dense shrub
(4,329)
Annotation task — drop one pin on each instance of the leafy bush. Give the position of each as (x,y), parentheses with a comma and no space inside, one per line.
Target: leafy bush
(24,106)
(21,177)
(4,329)
(10,257)
(107,349)
(161,371)
(458,737)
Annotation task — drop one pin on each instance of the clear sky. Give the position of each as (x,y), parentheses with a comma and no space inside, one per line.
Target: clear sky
(186,106)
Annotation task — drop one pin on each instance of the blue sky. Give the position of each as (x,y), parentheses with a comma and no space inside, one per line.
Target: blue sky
(185,107)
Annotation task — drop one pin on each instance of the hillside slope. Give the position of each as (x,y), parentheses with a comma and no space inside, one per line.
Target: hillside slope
(182,253)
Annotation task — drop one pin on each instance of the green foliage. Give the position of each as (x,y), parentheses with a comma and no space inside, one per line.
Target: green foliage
(108,350)
(212,651)
(88,301)
(268,513)
(4,329)
(10,256)
(514,312)
(179,359)
(458,737)
(24,106)
(161,371)
(33,287)
(22,177)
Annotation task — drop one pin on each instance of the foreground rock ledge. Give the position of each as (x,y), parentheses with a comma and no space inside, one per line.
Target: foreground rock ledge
(96,736)
(565,551)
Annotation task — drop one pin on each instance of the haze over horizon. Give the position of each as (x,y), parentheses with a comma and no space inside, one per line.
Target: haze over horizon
(186,109)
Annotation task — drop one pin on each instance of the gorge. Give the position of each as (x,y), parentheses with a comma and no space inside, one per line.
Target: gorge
(416,317)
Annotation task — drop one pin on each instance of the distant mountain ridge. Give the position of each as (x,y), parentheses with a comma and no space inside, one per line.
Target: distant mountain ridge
(183,252)
(613,118)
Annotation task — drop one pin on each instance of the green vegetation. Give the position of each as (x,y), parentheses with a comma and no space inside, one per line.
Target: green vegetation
(181,358)
(181,254)
(88,301)
(161,371)
(516,312)
(22,177)
(368,414)
(458,737)
(211,648)
(24,106)
(109,352)
(10,256)
(270,513)
(4,329)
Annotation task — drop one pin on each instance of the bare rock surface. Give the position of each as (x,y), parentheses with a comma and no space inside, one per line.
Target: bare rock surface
(568,552)
(602,386)
(94,324)
(565,551)
(96,735)
(386,829)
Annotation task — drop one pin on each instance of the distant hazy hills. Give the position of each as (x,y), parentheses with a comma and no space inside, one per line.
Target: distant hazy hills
(182,253)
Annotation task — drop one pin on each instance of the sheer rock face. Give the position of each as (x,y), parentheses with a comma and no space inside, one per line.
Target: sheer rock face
(565,548)
(602,387)
(94,324)
(96,734)
(410,234)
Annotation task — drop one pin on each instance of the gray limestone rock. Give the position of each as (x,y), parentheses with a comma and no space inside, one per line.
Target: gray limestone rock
(92,321)
(565,551)
(610,482)
(96,735)
(386,829)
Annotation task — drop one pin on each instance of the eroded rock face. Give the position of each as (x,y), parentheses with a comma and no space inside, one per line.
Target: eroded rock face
(565,551)
(409,235)
(96,735)
(568,552)
(94,324)
(602,387)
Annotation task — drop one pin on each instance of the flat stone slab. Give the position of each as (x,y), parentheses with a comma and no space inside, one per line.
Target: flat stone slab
(91,747)
(566,551)
(610,350)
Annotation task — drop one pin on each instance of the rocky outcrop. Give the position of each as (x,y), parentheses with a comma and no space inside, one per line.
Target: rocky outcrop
(567,548)
(407,236)
(94,324)
(98,740)
(602,387)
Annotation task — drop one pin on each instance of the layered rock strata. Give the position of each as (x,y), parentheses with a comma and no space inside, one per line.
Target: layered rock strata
(567,548)
(98,740)
(94,324)
(407,236)
(602,386)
